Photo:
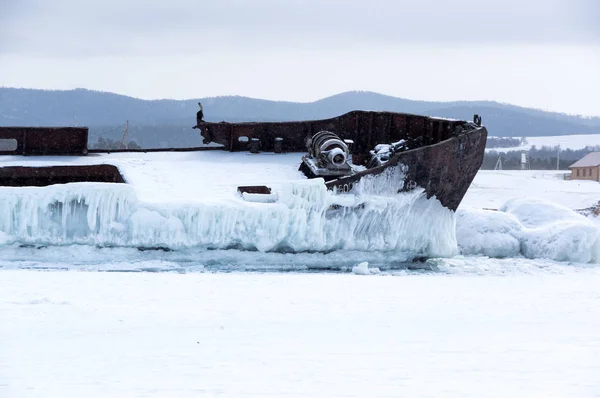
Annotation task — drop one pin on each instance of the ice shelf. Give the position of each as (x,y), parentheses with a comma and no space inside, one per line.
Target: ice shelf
(305,217)
(190,200)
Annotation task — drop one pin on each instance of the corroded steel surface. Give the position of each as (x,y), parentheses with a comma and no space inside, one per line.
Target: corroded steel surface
(20,176)
(151,150)
(449,155)
(365,128)
(255,189)
(46,140)
(445,170)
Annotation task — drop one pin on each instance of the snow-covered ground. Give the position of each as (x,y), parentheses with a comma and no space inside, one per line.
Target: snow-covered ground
(577,141)
(492,188)
(80,334)
(500,319)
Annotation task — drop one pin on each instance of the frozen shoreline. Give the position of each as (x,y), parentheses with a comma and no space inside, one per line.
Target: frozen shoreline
(73,334)
(184,202)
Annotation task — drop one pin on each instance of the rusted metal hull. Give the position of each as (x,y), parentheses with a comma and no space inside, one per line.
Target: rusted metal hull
(444,170)
(21,176)
(449,155)
(444,159)
(365,128)
(39,141)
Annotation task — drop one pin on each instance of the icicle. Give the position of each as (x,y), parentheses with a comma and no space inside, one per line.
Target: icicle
(307,217)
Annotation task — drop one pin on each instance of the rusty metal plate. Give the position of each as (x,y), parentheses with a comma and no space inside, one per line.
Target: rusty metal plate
(65,141)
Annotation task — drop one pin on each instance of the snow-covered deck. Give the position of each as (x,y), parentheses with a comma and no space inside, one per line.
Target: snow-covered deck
(183,176)
(207,176)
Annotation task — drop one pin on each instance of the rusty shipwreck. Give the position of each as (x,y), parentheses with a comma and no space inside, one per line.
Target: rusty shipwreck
(347,162)
(440,155)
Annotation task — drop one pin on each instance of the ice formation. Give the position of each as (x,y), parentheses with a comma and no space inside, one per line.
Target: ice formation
(490,233)
(530,227)
(299,216)
(363,269)
(304,217)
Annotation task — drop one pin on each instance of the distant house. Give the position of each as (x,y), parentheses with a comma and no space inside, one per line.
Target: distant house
(586,168)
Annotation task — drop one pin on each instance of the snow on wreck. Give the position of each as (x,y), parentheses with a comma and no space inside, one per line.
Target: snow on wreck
(362,181)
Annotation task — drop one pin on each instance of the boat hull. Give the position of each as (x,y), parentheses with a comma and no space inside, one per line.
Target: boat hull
(366,129)
(443,156)
(444,170)
(445,161)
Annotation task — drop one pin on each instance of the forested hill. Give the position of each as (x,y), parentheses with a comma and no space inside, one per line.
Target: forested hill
(168,122)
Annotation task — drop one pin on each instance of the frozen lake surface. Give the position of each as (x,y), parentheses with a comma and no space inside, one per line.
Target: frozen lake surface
(194,322)
(90,334)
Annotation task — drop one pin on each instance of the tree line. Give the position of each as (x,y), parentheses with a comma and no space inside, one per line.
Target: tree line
(543,158)
(108,143)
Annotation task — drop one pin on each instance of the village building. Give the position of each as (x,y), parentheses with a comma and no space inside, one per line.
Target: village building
(586,168)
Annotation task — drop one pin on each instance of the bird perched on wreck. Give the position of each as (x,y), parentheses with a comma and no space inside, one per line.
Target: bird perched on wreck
(199,116)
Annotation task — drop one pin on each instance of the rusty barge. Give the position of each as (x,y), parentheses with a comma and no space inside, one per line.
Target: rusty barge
(438,155)
(363,181)
(442,156)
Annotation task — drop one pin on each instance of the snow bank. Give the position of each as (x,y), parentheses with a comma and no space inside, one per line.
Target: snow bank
(532,212)
(300,216)
(491,233)
(553,231)
(531,227)
(306,217)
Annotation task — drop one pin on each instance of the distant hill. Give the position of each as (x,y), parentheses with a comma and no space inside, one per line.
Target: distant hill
(159,123)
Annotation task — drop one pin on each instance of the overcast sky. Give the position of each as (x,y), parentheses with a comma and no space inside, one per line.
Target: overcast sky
(538,53)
